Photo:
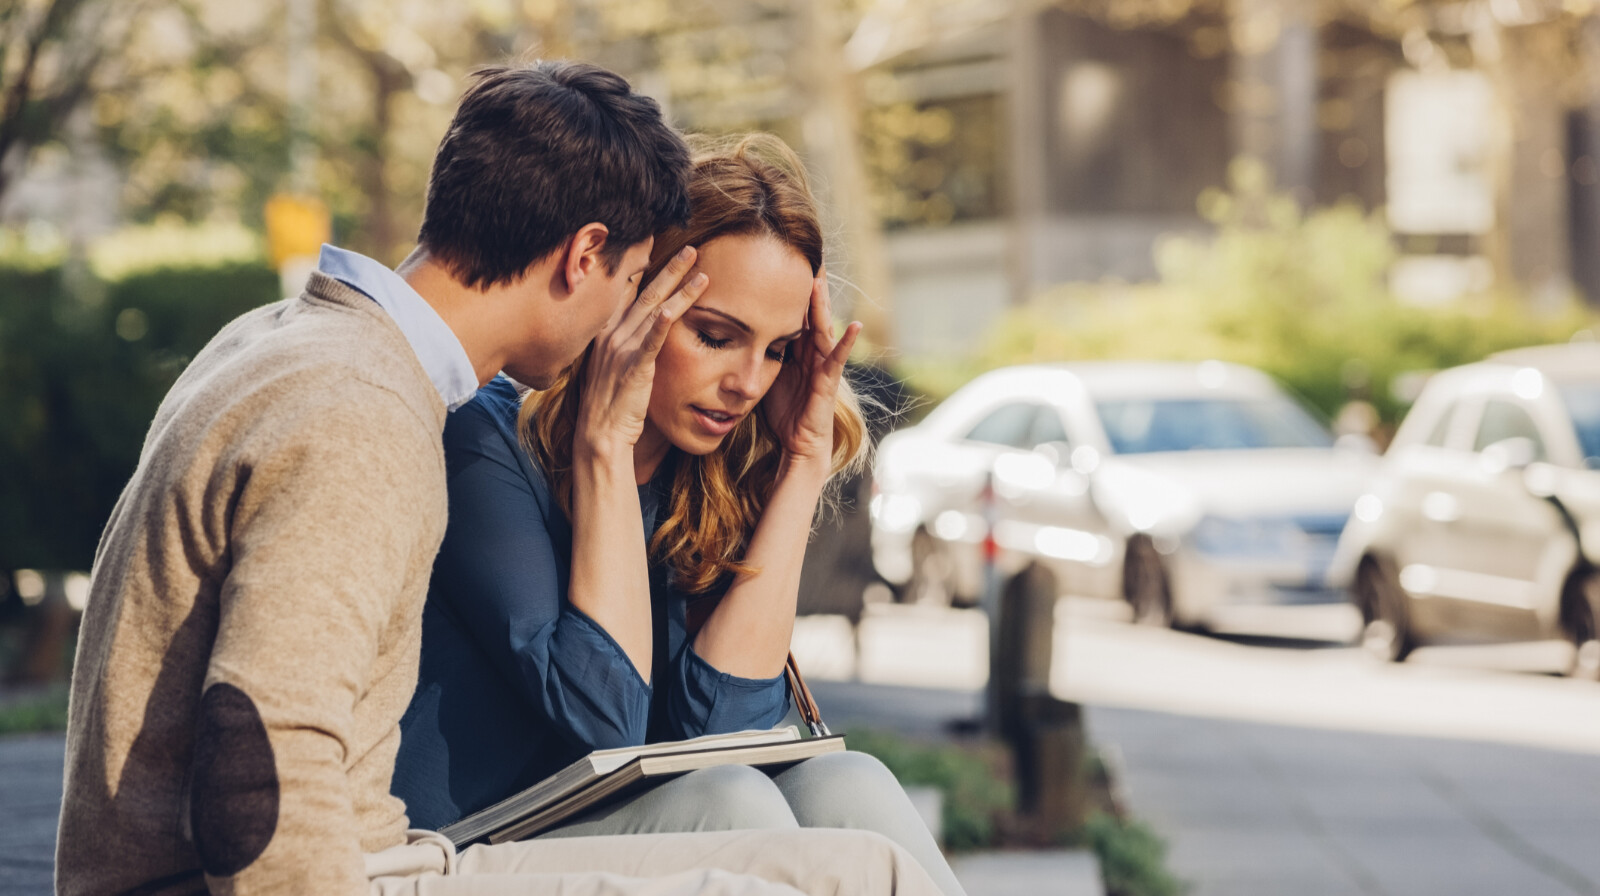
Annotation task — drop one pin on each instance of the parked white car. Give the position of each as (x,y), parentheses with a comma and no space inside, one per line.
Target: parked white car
(1484,521)
(1181,488)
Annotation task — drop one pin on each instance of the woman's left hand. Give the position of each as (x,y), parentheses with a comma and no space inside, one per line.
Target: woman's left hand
(799,406)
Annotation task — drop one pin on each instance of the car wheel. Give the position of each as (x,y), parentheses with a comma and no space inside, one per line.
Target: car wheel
(1580,610)
(1145,584)
(1387,633)
(932,573)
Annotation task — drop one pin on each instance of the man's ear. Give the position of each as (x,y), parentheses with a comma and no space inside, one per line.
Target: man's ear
(582,259)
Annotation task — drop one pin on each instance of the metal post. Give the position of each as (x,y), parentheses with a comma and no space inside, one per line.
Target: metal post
(990,601)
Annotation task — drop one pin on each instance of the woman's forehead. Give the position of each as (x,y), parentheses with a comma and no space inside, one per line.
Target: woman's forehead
(757,281)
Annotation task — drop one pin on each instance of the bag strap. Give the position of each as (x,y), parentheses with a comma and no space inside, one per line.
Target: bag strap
(803,701)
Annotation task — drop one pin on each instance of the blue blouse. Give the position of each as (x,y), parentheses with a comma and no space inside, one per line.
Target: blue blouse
(515,683)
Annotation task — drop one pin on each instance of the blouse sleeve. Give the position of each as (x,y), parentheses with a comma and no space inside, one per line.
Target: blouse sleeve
(705,700)
(502,572)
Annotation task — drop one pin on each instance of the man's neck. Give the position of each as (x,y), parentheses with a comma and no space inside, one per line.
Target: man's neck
(463,310)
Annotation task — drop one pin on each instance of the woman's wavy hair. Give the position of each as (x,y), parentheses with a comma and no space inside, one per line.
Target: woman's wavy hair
(751,185)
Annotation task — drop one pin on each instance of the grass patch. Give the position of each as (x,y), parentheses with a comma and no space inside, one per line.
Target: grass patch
(980,809)
(1132,857)
(36,712)
(977,794)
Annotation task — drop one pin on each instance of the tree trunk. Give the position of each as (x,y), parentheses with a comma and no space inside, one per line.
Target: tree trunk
(381,234)
(1275,91)
(831,127)
(1586,193)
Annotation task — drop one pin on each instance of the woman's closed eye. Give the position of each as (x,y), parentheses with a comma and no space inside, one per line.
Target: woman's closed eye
(710,341)
(778,351)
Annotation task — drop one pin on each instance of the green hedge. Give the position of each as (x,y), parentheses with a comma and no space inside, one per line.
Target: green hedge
(31,713)
(1327,353)
(83,365)
(1133,858)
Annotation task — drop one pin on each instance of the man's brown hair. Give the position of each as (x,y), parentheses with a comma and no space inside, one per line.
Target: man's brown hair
(537,151)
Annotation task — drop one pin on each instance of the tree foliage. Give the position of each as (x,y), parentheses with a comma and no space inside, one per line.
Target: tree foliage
(83,365)
(1302,295)
(53,55)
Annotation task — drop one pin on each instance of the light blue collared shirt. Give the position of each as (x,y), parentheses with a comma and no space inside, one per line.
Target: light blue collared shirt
(436,345)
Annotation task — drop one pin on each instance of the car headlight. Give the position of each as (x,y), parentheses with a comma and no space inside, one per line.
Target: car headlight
(1247,537)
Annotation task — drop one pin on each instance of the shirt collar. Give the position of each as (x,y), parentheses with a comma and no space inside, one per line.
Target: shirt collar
(436,345)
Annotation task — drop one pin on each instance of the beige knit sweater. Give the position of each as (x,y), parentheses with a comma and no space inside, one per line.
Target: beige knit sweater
(253,625)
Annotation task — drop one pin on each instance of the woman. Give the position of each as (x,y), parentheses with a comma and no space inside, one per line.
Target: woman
(544,640)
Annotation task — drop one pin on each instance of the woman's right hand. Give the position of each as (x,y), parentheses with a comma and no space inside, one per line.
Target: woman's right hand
(622,363)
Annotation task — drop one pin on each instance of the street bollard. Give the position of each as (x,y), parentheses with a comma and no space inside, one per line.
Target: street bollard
(1020,663)
(1045,734)
(1049,756)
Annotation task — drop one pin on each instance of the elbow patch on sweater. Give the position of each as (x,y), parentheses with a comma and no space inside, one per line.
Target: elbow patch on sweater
(234,803)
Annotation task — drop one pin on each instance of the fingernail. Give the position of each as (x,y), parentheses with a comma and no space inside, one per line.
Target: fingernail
(685,253)
(697,281)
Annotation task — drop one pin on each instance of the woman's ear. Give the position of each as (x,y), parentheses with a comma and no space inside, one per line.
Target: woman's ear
(582,254)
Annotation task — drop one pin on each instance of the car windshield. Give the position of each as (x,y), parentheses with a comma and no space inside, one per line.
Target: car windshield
(1143,425)
(1583,403)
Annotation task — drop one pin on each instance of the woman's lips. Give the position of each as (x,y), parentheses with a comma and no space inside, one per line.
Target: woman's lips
(718,423)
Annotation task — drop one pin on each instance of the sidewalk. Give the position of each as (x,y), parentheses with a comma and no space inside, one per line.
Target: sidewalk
(30,791)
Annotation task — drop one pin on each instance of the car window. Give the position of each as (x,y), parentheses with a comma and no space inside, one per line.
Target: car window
(1507,420)
(1006,425)
(1137,426)
(1441,429)
(1583,404)
(1047,428)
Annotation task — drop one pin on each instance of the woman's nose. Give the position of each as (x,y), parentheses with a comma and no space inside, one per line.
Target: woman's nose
(744,380)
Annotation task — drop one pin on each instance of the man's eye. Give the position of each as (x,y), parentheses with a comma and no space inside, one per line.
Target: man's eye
(711,342)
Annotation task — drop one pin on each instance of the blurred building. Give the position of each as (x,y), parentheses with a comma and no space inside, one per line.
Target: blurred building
(1011,145)
(1082,139)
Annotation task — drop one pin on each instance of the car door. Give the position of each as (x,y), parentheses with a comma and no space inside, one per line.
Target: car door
(1423,501)
(1500,534)
(1045,511)
(955,512)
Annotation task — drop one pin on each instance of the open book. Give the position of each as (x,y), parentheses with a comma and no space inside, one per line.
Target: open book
(605,774)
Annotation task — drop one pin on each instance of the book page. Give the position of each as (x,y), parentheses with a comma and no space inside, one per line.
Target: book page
(607,761)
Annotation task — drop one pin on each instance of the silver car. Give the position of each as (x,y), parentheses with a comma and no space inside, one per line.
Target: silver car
(1484,522)
(1181,488)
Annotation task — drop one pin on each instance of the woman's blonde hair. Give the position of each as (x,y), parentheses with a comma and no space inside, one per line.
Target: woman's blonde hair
(752,185)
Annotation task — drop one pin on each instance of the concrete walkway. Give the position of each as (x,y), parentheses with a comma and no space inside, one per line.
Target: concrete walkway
(1067,872)
(1275,765)
(1250,809)
(30,802)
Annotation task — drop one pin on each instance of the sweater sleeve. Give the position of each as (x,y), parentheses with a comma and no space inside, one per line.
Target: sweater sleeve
(325,530)
(503,574)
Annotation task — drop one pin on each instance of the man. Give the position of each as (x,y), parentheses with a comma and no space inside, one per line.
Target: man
(252,632)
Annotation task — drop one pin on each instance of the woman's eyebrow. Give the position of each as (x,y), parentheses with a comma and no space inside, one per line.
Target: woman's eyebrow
(725,316)
(742,325)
